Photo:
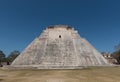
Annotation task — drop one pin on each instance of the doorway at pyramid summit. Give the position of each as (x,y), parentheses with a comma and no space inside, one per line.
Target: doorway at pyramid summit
(59,47)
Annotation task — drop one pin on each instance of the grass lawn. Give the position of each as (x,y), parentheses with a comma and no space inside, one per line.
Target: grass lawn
(91,74)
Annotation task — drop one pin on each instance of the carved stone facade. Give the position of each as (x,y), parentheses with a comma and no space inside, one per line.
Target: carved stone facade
(109,58)
(59,47)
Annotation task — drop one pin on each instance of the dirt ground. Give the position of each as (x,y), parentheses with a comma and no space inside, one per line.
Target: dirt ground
(91,74)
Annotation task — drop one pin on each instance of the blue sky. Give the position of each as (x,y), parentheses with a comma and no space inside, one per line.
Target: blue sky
(23,20)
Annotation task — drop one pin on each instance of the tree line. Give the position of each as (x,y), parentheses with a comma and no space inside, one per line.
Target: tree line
(116,54)
(10,57)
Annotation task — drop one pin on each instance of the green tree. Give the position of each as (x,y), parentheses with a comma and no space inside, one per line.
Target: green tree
(2,57)
(116,54)
(12,56)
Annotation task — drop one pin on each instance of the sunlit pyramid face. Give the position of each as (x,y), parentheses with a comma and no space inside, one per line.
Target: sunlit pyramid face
(59,46)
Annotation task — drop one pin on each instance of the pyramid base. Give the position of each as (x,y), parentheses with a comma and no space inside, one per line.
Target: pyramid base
(51,67)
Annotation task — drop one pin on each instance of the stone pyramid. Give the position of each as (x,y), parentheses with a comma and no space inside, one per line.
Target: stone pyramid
(59,46)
